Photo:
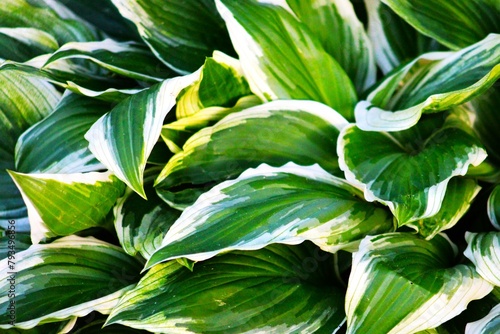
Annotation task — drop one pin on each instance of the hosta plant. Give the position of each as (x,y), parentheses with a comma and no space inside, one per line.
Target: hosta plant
(244,166)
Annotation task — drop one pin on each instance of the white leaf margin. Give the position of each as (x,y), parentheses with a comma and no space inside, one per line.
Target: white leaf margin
(104,305)
(39,229)
(166,96)
(435,193)
(477,327)
(486,266)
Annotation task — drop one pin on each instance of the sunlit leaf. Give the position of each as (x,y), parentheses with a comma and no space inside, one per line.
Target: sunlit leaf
(62,204)
(411,283)
(283,59)
(431,83)
(342,35)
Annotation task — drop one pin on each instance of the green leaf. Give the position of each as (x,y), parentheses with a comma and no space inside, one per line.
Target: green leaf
(275,133)
(141,225)
(221,84)
(460,192)
(424,158)
(25,101)
(176,134)
(484,251)
(180,33)
(487,122)
(494,207)
(126,58)
(283,59)
(469,20)
(22,44)
(278,289)
(62,204)
(72,276)
(266,205)
(123,139)
(431,83)
(56,144)
(96,327)
(394,41)
(38,15)
(411,283)
(342,35)
(490,324)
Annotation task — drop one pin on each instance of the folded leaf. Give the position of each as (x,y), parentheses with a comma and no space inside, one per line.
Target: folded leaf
(266,205)
(283,59)
(180,33)
(394,41)
(460,192)
(221,84)
(484,251)
(494,207)
(278,289)
(56,144)
(126,59)
(411,283)
(72,276)
(488,324)
(275,133)
(123,139)
(469,20)
(62,204)
(38,15)
(342,35)
(22,44)
(431,83)
(25,101)
(424,158)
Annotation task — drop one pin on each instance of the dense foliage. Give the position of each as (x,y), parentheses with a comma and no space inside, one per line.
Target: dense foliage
(244,166)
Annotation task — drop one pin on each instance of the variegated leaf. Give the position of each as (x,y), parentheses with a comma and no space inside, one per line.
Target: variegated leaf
(484,251)
(424,159)
(469,20)
(411,283)
(342,35)
(62,204)
(69,277)
(56,144)
(304,132)
(279,289)
(123,139)
(490,324)
(266,205)
(22,44)
(126,58)
(282,59)
(494,207)
(180,33)
(24,101)
(431,83)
